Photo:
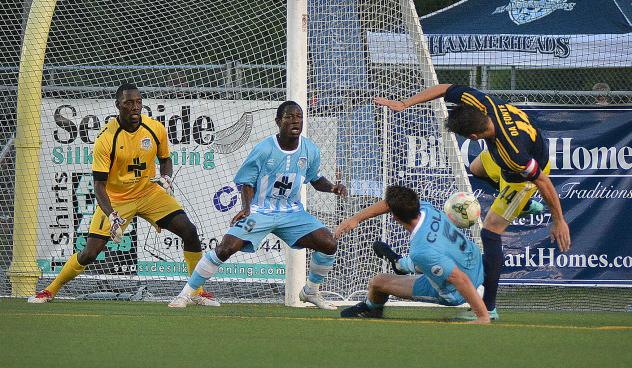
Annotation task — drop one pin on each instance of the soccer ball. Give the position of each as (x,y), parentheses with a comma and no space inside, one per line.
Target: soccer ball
(462,209)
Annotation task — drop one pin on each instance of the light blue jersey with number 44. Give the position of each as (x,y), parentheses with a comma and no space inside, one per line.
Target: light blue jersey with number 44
(277,175)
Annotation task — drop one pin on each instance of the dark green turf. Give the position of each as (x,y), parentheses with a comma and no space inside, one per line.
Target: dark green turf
(125,334)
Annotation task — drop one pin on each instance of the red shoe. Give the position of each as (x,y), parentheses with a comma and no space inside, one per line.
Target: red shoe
(43,296)
(205,298)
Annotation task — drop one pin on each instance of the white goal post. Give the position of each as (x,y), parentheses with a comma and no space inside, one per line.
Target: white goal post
(213,73)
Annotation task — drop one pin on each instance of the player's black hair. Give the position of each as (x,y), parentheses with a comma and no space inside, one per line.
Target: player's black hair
(403,202)
(465,120)
(124,87)
(283,106)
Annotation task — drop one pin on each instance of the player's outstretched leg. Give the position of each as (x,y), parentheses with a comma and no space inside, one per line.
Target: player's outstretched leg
(75,265)
(319,266)
(204,269)
(178,223)
(321,262)
(362,310)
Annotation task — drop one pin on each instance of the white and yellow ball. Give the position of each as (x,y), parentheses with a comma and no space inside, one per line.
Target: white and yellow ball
(462,209)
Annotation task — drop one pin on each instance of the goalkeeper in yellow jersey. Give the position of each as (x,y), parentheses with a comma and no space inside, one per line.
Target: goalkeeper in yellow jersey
(126,185)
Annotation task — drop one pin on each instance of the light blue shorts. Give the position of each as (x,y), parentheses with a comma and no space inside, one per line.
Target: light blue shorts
(424,292)
(290,227)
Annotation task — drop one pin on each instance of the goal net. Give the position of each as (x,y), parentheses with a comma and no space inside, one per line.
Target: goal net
(213,73)
(359,50)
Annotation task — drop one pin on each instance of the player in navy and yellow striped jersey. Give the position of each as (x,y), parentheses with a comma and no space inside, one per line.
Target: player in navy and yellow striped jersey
(126,185)
(516,158)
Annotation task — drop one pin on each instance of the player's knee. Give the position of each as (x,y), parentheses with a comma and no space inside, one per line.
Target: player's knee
(227,247)
(89,253)
(191,239)
(329,247)
(85,258)
(376,282)
(326,243)
(477,168)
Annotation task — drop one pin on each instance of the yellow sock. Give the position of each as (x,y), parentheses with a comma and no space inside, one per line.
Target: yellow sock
(71,269)
(192,258)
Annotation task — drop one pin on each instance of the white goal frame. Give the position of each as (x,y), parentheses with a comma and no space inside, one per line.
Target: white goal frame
(24,272)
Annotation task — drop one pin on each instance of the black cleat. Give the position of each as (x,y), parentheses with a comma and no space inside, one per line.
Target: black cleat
(361,310)
(382,250)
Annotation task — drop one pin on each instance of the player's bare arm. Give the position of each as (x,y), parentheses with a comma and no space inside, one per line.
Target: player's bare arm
(464,286)
(104,202)
(324,185)
(166,166)
(102,197)
(559,230)
(426,95)
(247,193)
(376,209)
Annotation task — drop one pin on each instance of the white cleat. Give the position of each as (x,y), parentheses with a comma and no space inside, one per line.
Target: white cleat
(180,302)
(316,299)
(206,299)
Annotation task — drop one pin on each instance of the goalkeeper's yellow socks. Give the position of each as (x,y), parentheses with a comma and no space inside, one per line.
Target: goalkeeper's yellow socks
(192,259)
(71,269)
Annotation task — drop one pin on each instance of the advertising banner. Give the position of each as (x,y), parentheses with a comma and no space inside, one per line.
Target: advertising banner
(591,160)
(208,141)
(518,33)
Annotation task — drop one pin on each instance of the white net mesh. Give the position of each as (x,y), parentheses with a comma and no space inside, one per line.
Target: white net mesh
(213,74)
(367,147)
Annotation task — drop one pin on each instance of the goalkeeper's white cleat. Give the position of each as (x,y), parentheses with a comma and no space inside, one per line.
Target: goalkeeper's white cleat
(180,302)
(316,299)
(43,296)
(206,299)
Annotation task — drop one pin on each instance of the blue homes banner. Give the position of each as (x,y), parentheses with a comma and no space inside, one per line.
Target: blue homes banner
(591,161)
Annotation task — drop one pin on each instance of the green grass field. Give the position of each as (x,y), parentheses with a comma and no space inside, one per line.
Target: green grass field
(127,334)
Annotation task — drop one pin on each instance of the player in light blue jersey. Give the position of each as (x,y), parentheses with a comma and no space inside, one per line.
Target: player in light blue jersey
(516,162)
(270,180)
(451,264)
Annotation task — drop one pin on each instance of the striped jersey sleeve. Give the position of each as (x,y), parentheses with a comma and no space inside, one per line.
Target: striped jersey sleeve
(469,96)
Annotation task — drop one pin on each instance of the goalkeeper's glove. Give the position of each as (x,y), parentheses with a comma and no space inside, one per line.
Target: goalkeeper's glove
(165,182)
(116,231)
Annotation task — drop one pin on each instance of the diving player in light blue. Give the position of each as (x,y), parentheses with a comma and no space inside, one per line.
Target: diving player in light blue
(270,180)
(516,160)
(451,264)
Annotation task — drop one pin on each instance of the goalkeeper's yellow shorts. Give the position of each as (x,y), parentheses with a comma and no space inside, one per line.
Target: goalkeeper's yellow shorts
(155,206)
(512,196)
